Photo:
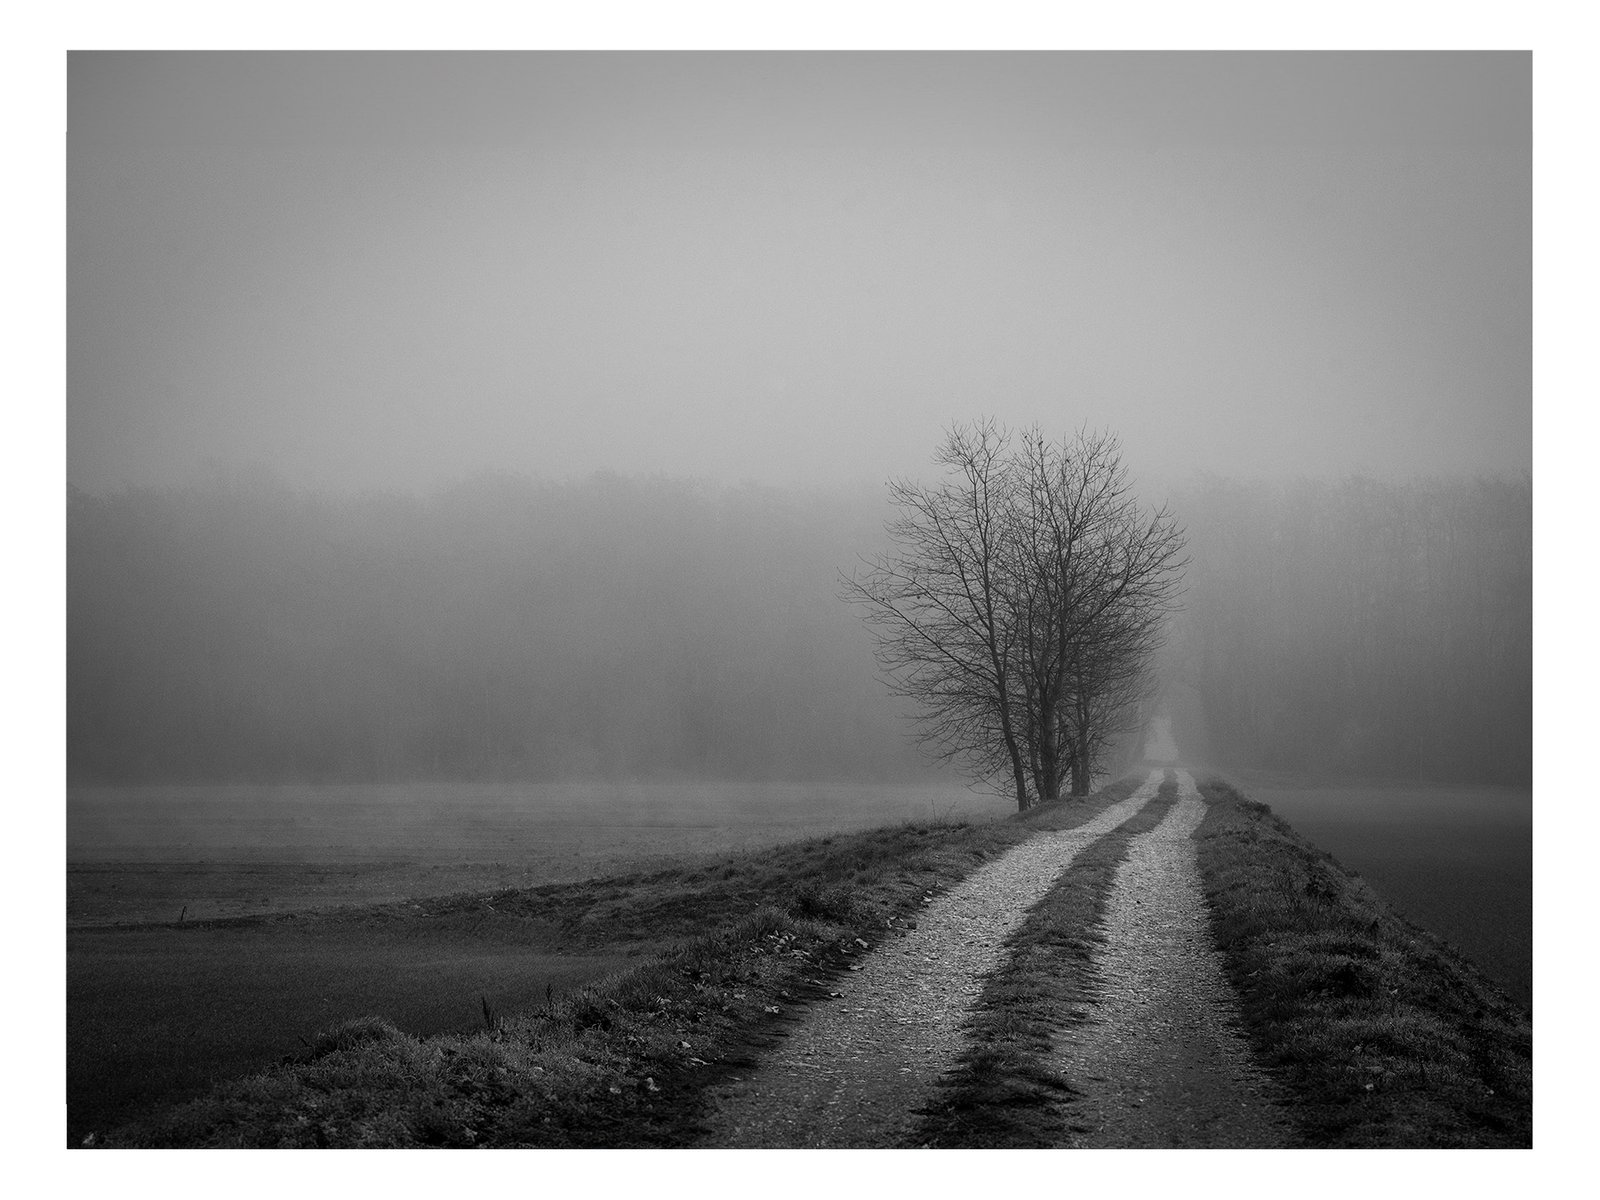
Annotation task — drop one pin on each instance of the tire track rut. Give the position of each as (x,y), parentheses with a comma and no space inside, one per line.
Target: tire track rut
(856,1069)
(1160,1058)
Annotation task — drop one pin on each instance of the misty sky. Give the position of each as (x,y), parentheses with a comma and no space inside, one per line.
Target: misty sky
(396,269)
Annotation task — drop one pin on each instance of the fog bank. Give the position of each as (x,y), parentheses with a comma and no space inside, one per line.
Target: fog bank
(650,628)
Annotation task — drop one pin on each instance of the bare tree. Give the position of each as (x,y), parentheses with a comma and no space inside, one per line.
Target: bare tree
(939,605)
(1023,603)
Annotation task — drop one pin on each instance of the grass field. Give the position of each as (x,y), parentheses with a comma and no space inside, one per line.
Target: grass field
(153,853)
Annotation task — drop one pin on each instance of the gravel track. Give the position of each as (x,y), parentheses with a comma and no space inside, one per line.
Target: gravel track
(856,1069)
(1160,1058)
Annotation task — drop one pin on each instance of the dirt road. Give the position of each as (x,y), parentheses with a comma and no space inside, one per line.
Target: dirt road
(854,1072)
(1158,1059)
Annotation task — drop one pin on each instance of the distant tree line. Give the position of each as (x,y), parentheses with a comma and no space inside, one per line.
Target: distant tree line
(1022,604)
(510,629)
(500,629)
(1363,627)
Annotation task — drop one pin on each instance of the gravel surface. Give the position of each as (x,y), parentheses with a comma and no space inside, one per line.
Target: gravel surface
(854,1071)
(1160,1058)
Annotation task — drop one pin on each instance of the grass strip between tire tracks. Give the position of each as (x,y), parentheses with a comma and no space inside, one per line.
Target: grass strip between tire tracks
(1004,1091)
(1381,1035)
(738,950)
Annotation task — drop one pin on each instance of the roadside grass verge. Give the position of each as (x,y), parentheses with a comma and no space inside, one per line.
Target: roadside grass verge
(1381,1034)
(729,953)
(1004,1091)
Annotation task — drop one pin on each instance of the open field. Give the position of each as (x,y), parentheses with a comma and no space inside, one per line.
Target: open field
(149,853)
(1456,860)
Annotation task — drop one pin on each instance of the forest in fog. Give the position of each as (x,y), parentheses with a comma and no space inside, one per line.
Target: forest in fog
(619,627)
(499,629)
(1364,628)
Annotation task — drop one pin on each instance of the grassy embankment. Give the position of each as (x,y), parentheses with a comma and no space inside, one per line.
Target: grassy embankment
(1454,859)
(734,952)
(1380,1033)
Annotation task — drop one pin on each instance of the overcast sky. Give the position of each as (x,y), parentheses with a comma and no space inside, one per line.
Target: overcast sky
(398,269)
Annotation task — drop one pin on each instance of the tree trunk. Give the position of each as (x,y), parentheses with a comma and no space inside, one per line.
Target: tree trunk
(1081,780)
(1082,764)
(1018,775)
(1031,739)
(1049,758)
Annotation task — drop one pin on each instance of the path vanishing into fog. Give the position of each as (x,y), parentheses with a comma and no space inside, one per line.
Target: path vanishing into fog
(1160,1058)
(1157,1057)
